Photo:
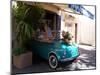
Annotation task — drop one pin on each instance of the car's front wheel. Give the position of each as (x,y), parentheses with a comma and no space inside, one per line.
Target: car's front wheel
(53,61)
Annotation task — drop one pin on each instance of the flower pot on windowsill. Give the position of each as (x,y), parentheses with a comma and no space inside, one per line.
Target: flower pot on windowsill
(23,60)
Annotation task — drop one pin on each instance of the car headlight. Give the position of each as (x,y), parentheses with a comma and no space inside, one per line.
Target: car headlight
(64,52)
(61,52)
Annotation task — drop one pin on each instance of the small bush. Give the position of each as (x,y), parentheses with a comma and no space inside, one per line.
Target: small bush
(18,51)
(67,37)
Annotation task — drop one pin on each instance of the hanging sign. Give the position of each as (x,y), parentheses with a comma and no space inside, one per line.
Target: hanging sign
(81,10)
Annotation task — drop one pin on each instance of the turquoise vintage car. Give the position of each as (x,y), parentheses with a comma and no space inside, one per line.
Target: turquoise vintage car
(55,51)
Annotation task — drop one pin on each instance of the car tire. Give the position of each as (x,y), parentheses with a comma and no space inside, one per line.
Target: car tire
(53,61)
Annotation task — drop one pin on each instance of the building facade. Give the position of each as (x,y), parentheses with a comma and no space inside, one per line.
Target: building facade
(62,18)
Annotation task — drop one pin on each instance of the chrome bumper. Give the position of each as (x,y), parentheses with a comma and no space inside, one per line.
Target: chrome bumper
(68,59)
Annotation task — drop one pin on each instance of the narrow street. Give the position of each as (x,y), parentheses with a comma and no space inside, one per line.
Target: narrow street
(86,60)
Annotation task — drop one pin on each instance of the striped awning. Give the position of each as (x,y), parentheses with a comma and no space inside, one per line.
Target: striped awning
(81,10)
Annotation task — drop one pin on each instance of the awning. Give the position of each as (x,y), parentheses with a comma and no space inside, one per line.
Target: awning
(81,10)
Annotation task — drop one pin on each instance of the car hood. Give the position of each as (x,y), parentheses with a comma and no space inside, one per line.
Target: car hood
(71,50)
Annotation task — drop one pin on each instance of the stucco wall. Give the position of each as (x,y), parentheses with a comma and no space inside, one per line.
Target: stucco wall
(86,30)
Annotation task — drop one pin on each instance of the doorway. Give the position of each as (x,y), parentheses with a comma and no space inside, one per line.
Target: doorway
(76,32)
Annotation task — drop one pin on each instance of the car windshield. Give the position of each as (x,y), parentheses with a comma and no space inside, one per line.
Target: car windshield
(57,43)
(45,38)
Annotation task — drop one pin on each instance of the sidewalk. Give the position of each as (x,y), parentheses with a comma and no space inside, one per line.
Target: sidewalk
(87,58)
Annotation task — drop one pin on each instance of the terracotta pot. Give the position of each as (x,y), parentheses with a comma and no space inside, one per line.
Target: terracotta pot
(23,60)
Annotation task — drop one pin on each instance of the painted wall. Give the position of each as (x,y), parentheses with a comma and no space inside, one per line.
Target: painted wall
(86,30)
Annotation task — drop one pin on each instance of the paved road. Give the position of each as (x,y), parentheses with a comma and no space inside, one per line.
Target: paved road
(86,60)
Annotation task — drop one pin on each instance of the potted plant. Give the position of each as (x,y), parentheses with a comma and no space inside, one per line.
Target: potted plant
(22,57)
(27,18)
(67,37)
